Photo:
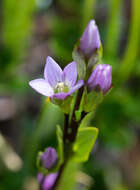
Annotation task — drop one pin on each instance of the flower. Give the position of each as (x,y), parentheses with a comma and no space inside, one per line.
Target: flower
(57,83)
(101,78)
(49,158)
(90,40)
(47,182)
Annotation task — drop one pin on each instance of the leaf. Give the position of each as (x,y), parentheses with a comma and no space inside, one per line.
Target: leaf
(60,142)
(87,119)
(85,141)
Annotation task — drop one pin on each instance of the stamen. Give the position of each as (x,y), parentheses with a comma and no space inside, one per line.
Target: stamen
(61,87)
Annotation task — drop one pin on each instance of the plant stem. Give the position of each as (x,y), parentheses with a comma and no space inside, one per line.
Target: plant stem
(69,136)
(66,125)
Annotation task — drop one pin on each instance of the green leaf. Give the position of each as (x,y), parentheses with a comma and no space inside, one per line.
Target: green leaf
(86,138)
(59,135)
(86,121)
(81,65)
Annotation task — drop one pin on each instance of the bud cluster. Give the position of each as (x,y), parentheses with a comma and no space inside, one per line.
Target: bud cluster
(98,76)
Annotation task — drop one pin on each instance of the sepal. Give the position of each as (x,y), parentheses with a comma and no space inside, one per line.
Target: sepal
(81,65)
(92,100)
(95,58)
(65,105)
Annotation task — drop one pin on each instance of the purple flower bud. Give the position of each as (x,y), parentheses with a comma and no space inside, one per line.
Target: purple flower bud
(90,40)
(49,181)
(101,78)
(49,158)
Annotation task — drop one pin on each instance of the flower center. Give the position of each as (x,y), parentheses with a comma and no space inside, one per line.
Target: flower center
(61,87)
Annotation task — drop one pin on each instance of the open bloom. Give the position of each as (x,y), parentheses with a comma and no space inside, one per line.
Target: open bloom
(90,40)
(49,158)
(57,83)
(101,78)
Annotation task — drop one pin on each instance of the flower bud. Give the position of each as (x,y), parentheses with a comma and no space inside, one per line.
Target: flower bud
(49,181)
(101,78)
(46,182)
(90,40)
(49,158)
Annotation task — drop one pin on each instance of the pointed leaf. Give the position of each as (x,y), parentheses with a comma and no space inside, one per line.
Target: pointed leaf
(85,141)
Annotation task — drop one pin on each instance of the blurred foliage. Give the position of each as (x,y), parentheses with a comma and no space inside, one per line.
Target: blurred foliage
(25,27)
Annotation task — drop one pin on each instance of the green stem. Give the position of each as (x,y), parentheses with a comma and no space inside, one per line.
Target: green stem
(69,137)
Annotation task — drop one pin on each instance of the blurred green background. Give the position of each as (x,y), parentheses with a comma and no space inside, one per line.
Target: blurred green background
(30,30)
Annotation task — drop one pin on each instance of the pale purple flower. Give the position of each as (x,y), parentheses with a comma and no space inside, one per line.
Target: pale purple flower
(101,78)
(49,158)
(57,83)
(90,40)
(49,181)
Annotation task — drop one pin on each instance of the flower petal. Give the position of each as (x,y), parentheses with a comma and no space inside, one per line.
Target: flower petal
(52,72)
(49,181)
(42,86)
(90,40)
(61,95)
(76,87)
(102,77)
(70,74)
